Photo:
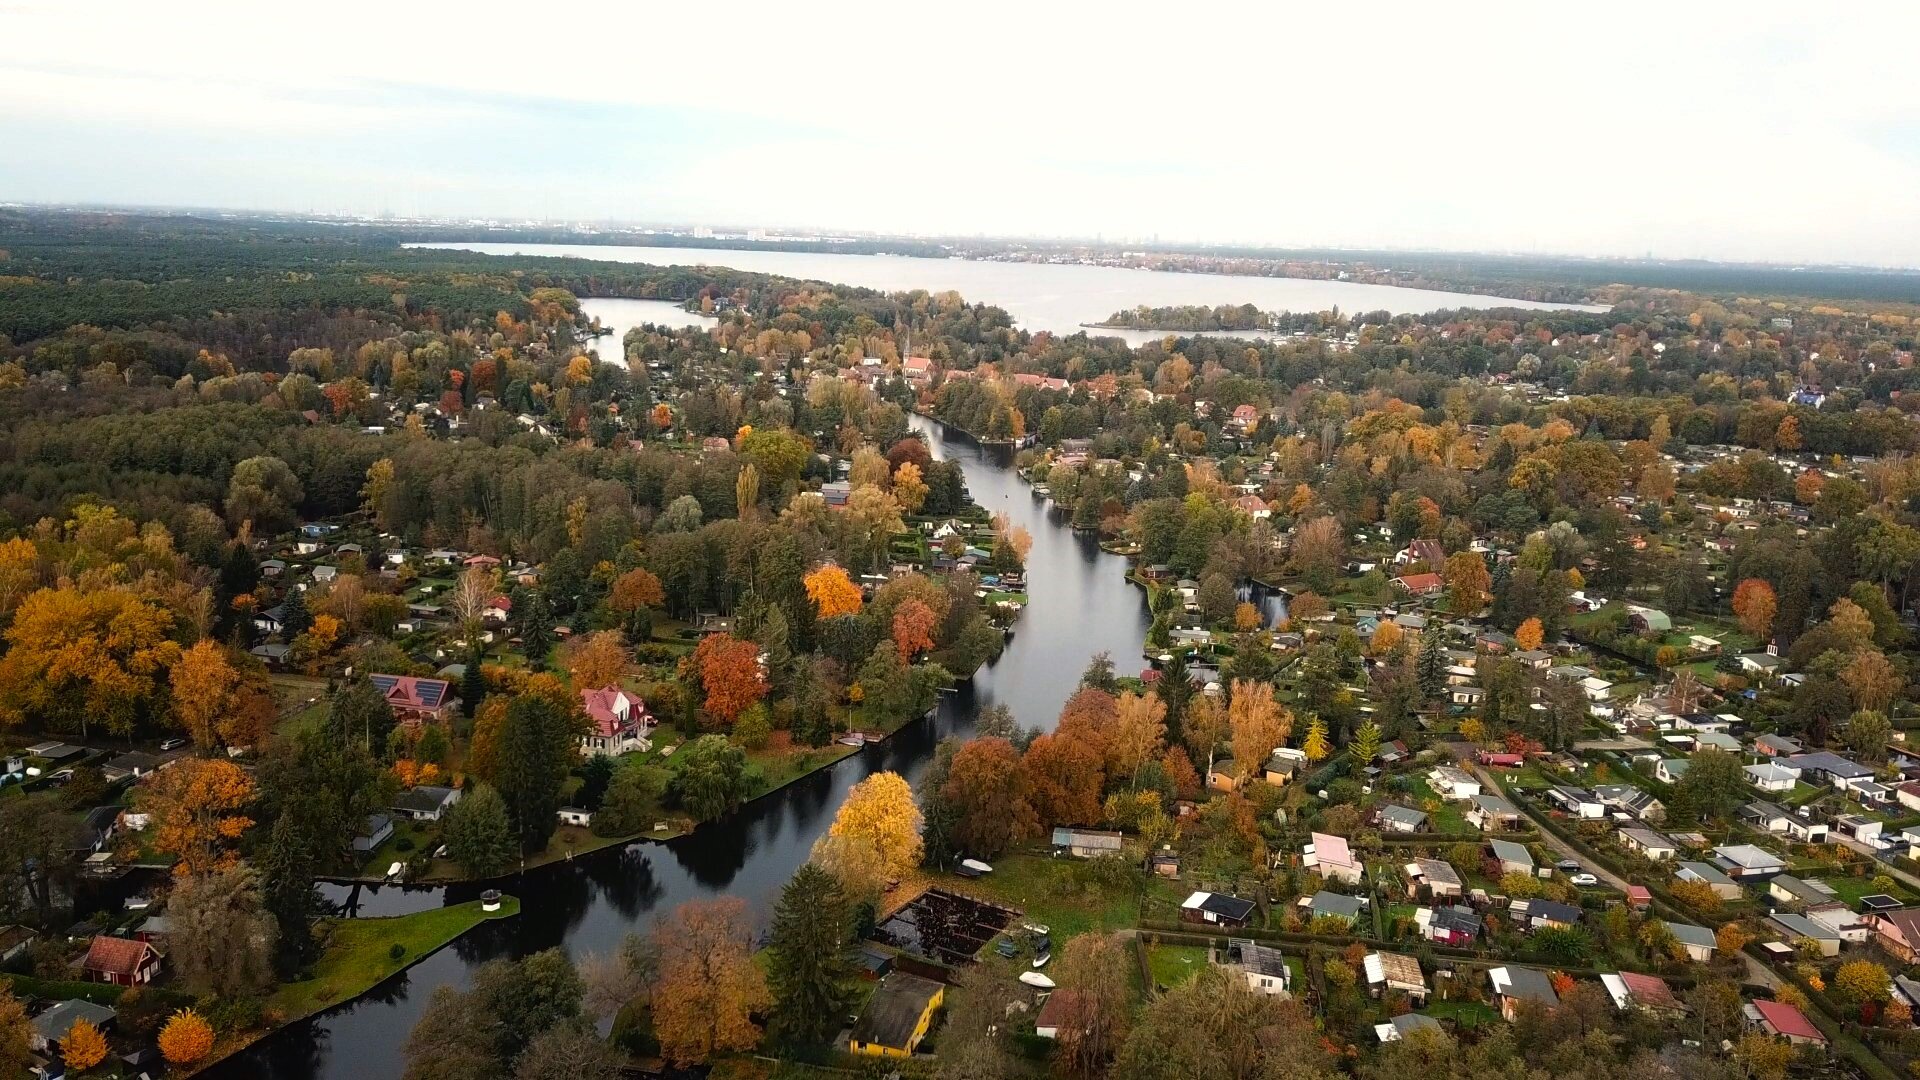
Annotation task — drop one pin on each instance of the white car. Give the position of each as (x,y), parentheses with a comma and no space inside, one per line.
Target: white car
(1584,880)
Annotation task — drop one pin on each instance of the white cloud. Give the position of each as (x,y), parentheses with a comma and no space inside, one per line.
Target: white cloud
(1730,130)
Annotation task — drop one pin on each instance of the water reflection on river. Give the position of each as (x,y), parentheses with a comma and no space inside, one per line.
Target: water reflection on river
(1080,605)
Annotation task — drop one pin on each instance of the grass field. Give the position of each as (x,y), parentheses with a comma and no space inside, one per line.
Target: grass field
(1173,965)
(359,953)
(1054,892)
(1466,1014)
(1851,889)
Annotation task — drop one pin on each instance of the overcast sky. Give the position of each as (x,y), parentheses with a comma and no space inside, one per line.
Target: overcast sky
(1684,129)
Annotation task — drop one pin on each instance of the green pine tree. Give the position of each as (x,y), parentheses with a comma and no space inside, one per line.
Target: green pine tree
(810,956)
(295,618)
(1365,744)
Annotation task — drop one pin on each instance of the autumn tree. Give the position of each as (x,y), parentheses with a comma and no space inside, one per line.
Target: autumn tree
(729,671)
(1754,604)
(1873,679)
(635,593)
(989,793)
(1857,982)
(1096,982)
(1529,635)
(1204,727)
(83,1047)
(196,810)
(1366,743)
(1318,548)
(833,593)
(875,837)
(1139,732)
(16,1033)
(708,987)
(1246,618)
(909,487)
(914,624)
(1469,585)
(221,940)
(1064,777)
(1386,637)
(1258,724)
(77,658)
(185,1038)
(597,660)
(1316,745)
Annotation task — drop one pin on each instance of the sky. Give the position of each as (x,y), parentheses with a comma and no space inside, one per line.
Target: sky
(1751,131)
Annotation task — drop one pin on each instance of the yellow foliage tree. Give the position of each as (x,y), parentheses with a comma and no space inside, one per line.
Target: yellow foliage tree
(1139,730)
(83,1046)
(1472,730)
(203,685)
(1257,724)
(881,812)
(186,1038)
(1528,635)
(1385,637)
(833,593)
(909,487)
(1316,745)
(195,807)
(1246,617)
(81,657)
(598,660)
(708,986)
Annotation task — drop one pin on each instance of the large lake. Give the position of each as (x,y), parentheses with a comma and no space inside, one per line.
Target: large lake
(1041,296)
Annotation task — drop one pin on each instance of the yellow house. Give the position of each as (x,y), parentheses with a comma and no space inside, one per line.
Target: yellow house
(897,1017)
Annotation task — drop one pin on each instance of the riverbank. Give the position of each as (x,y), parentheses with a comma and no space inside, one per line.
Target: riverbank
(357,956)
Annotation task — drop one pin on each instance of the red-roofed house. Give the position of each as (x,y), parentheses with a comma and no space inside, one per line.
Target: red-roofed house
(415,700)
(1254,507)
(485,562)
(1645,992)
(918,369)
(1422,551)
(1333,858)
(1639,898)
(1245,417)
(1898,931)
(617,722)
(498,610)
(122,961)
(1781,1019)
(1419,584)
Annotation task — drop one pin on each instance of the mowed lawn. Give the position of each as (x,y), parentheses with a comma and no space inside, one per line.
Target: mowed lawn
(1055,892)
(359,953)
(1173,965)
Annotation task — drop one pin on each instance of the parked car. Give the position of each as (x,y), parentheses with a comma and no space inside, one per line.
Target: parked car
(174,743)
(1585,880)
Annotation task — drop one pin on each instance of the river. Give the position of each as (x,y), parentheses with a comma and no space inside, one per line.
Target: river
(1080,605)
(1042,296)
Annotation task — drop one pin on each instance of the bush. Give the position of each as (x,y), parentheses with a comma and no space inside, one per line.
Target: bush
(403,845)
(396,951)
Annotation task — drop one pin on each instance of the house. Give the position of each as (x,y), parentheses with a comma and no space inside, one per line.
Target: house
(1400,819)
(1086,843)
(1263,967)
(121,961)
(1648,843)
(1333,858)
(1828,767)
(617,722)
(1781,1020)
(1793,890)
(425,803)
(1639,897)
(416,700)
(1632,990)
(1422,551)
(1394,971)
(1284,764)
(1055,1013)
(1698,941)
(271,653)
(1216,908)
(377,830)
(129,766)
(1802,830)
(1779,746)
(1452,783)
(1455,926)
(1746,861)
(1670,770)
(1861,828)
(1765,816)
(1332,905)
(14,941)
(1596,688)
(1467,696)
(1491,813)
(272,620)
(1898,931)
(1576,802)
(1404,1026)
(1537,659)
(1254,507)
(1797,928)
(1513,985)
(1545,914)
(897,1017)
(1440,878)
(1908,794)
(1631,801)
(1648,620)
(1491,760)
(917,369)
(1762,664)
(1513,858)
(51,1026)
(1772,777)
(1716,740)
(1706,873)
(1419,584)
(578,816)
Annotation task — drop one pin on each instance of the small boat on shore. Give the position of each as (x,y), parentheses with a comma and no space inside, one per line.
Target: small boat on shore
(1036,980)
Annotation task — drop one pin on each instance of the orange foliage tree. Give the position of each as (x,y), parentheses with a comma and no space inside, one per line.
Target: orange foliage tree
(83,1047)
(186,1038)
(729,670)
(215,703)
(635,589)
(1064,777)
(986,786)
(1528,635)
(1754,604)
(913,626)
(708,986)
(597,660)
(832,592)
(77,658)
(195,807)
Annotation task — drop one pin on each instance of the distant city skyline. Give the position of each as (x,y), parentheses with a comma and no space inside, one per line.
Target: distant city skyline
(1757,132)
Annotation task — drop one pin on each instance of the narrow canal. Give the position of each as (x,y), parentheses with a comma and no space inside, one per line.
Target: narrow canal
(1080,605)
